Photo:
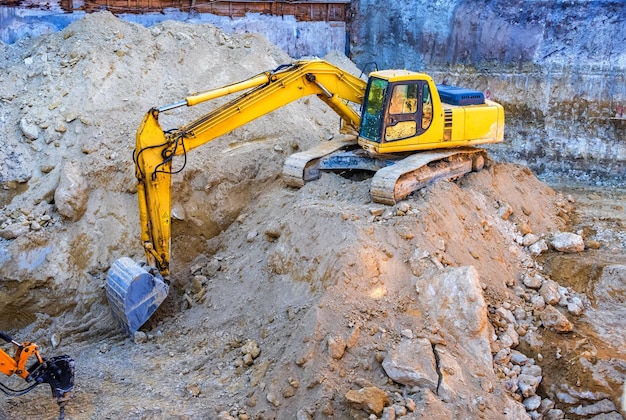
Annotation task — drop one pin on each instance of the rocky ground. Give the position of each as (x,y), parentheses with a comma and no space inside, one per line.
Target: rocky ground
(495,296)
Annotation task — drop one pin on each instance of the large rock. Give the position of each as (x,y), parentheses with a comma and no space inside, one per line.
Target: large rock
(550,292)
(369,399)
(552,318)
(568,242)
(454,299)
(29,130)
(528,384)
(13,231)
(412,363)
(602,406)
(71,195)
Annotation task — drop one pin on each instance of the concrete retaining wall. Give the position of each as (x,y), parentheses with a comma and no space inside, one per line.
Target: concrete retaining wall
(297,38)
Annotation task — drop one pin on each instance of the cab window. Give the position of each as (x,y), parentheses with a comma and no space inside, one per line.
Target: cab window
(403,99)
(401,122)
(427,108)
(400,130)
(373,110)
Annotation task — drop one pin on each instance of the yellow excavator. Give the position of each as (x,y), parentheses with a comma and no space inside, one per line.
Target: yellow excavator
(56,371)
(408,132)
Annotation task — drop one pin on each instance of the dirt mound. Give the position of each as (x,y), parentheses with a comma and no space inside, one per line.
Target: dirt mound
(74,100)
(314,303)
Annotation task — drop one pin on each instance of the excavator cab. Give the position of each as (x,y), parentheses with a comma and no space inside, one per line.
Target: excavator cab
(405,111)
(395,111)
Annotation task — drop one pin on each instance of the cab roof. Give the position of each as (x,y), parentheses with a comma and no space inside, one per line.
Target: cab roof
(396,75)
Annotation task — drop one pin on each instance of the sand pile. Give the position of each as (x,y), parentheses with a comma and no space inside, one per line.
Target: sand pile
(73,101)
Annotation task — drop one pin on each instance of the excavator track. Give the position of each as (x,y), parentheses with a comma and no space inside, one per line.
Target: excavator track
(303,167)
(393,183)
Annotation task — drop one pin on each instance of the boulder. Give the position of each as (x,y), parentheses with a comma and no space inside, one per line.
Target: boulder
(412,363)
(568,242)
(370,399)
(29,130)
(14,230)
(454,299)
(554,319)
(71,195)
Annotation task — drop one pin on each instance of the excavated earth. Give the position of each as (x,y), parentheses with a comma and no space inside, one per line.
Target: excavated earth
(460,302)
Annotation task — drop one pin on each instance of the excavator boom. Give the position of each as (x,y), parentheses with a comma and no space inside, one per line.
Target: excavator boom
(136,291)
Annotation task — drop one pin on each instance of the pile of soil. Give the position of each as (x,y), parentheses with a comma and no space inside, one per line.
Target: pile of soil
(285,303)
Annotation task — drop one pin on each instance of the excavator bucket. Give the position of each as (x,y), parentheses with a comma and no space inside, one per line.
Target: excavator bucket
(134,294)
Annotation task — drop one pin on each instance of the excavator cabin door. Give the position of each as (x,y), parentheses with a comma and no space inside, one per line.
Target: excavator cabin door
(409,110)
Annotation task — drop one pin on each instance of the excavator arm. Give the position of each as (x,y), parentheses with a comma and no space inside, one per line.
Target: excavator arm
(155,149)
(269,91)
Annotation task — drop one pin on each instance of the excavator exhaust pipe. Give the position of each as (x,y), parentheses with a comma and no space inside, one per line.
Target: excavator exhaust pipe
(134,294)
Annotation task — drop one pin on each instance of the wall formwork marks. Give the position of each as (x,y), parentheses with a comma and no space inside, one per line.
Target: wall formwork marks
(302,10)
(299,27)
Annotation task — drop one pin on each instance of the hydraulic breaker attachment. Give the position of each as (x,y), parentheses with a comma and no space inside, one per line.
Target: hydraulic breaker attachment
(58,372)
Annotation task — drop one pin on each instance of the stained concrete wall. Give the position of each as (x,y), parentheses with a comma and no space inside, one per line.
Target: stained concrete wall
(298,39)
(16,23)
(557,66)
